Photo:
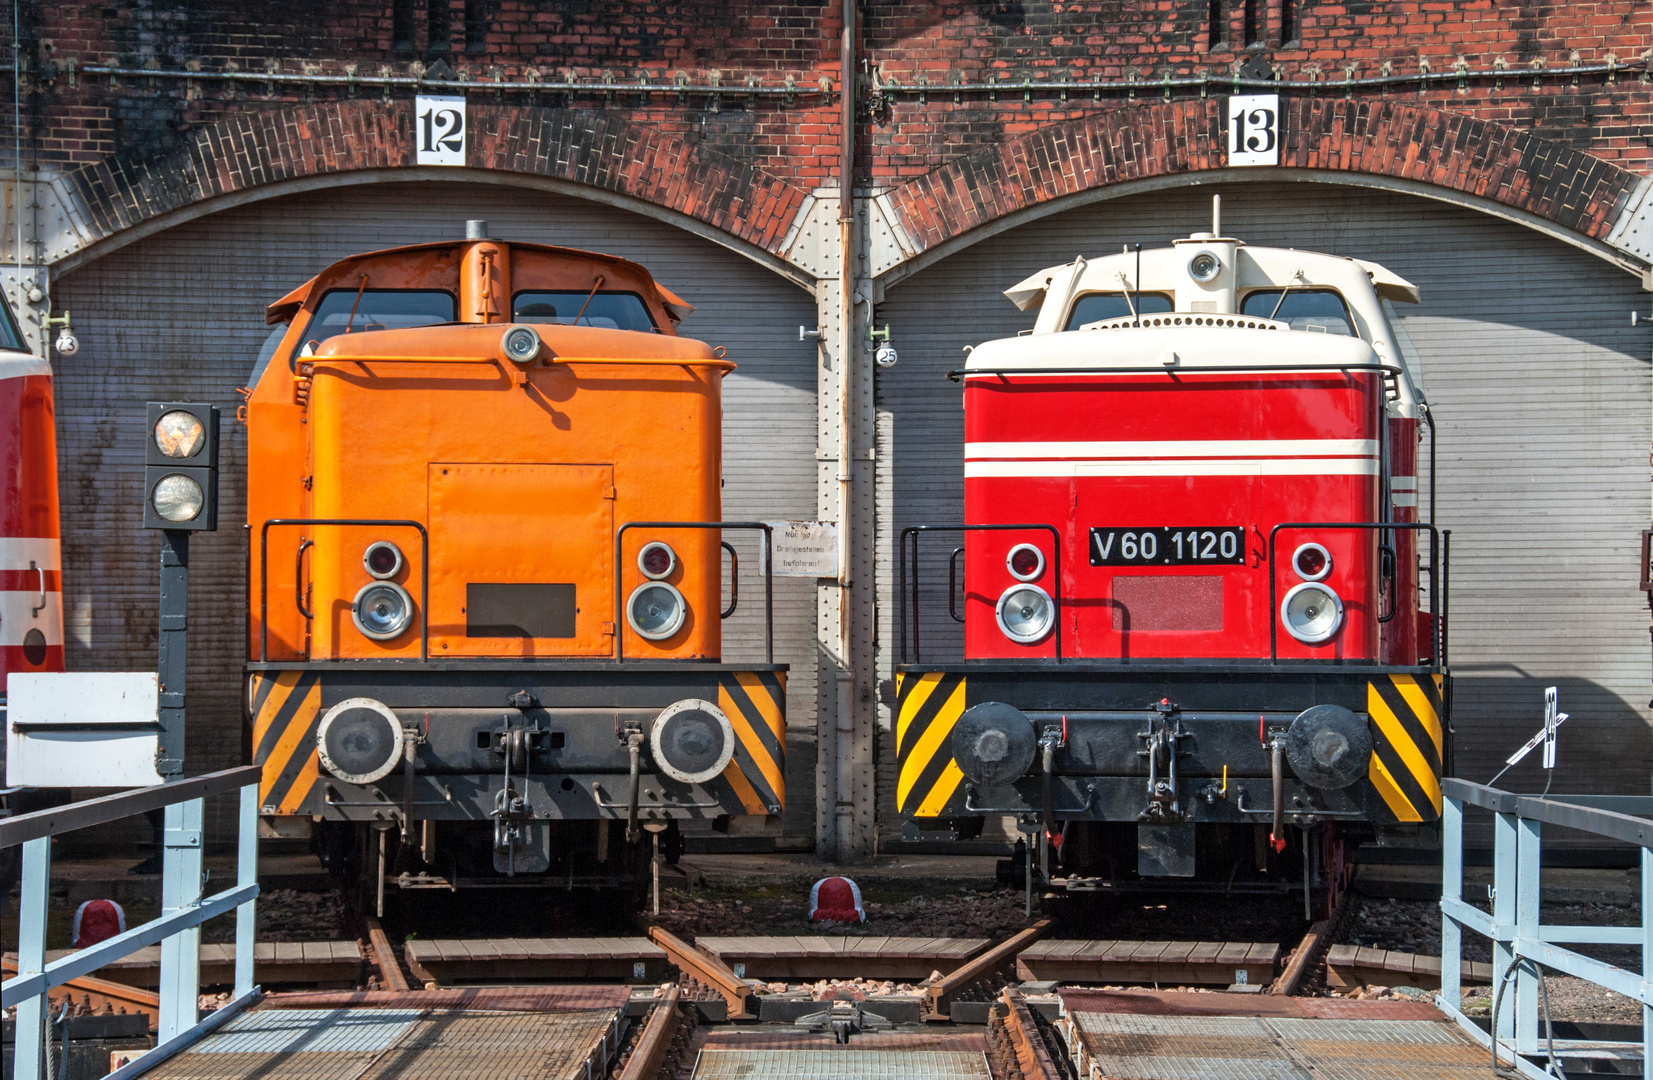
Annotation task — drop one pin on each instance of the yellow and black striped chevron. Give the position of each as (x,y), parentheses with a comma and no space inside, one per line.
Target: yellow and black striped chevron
(1407,744)
(928,704)
(755,703)
(285,707)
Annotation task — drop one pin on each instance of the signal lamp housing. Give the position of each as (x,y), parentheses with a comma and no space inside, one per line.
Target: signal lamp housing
(1026,614)
(1312,562)
(382,610)
(521,344)
(1025,562)
(657,560)
(1204,267)
(382,559)
(181,466)
(656,610)
(1312,613)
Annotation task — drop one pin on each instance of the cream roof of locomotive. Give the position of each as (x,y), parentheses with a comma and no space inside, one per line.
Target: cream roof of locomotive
(1204,329)
(15,365)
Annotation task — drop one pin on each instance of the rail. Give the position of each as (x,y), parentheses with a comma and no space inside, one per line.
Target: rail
(709,970)
(385,523)
(1439,577)
(972,971)
(768,576)
(914,531)
(1391,373)
(1521,943)
(183,910)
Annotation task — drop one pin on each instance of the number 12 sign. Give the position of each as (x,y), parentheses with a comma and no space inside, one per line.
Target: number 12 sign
(439,130)
(1254,129)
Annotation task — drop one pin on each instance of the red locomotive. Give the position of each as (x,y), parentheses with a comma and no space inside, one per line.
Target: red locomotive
(31,596)
(1194,575)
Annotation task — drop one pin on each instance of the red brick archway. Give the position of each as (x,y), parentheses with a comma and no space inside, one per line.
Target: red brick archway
(1417,144)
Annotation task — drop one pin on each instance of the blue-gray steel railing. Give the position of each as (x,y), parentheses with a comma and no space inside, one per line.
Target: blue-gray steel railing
(177,930)
(1520,939)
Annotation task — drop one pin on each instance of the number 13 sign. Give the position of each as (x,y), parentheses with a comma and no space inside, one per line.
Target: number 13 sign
(1254,129)
(439,130)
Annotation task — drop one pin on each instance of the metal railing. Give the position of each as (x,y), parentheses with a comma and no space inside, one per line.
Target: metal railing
(264,574)
(911,534)
(734,572)
(1522,945)
(177,930)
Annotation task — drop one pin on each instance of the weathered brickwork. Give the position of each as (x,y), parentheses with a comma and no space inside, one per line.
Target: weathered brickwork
(964,114)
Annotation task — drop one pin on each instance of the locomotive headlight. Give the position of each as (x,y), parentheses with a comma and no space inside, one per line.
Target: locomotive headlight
(382,610)
(179,434)
(1025,562)
(1312,612)
(177,498)
(656,560)
(1204,266)
(656,610)
(382,559)
(359,740)
(1312,562)
(521,344)
(1026,614)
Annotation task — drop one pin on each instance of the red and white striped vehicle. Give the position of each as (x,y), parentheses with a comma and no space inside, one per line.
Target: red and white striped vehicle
(1193,574)
(31,591)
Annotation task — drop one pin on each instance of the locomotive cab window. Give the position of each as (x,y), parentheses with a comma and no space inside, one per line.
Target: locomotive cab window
(609,310)
(11,339)
(1319,311)
(377,309)
(1094,307)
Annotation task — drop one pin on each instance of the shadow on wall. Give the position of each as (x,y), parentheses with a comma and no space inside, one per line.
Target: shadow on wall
(1604,747)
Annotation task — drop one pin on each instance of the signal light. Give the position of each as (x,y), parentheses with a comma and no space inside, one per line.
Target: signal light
(382,610)
(656,560)
(656,610)
(1026,614)
(1311,613)
(521,344)
(1312,562)
(1025,562)
(382,559)
(181,467)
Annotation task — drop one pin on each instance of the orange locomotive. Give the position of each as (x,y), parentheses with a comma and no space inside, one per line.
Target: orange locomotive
(486,570)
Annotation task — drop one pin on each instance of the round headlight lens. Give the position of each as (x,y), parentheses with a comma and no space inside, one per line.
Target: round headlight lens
(656,560)
(1204,266)
(1026,614)
(179,434)
(382,610)
(521,344)
(382,559)
(1312,562)
(1025,562)
(656,610)
(1312,613)
(177,498)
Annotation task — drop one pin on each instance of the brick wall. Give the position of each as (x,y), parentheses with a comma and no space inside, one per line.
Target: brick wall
(74,118)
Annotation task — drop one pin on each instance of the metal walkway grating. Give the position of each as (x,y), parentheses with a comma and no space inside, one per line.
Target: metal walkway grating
(1128,1047)
(847,1063)
(381,1044)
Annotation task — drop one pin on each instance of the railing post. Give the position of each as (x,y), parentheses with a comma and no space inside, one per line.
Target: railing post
(246,873)
(1504,890)
(1452,887)
(33,1042)
(1528,834)
(181,889)
(1647,958)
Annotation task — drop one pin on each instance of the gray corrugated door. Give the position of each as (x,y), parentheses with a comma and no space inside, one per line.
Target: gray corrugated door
(1539,385)
(180,315)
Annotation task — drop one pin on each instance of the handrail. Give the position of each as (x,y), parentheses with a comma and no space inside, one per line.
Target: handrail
(183,909)
(901,577)
(768,575)
(1522,945)
(385,523)
(717,363)
(958,374)
(1437,565)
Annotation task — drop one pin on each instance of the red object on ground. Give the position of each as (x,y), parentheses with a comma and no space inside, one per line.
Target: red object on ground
(836,899)
(97,920)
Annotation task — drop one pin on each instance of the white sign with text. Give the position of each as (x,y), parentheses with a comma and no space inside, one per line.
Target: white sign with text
(439,130)
(804,548)
(1254,129)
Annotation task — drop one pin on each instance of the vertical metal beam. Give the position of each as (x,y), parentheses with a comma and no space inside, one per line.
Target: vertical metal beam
(1452,888)
(1647,958)
(181,889)
(246,873)
(32,1044)
(169,760)
(1504,890)
(1529,833)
